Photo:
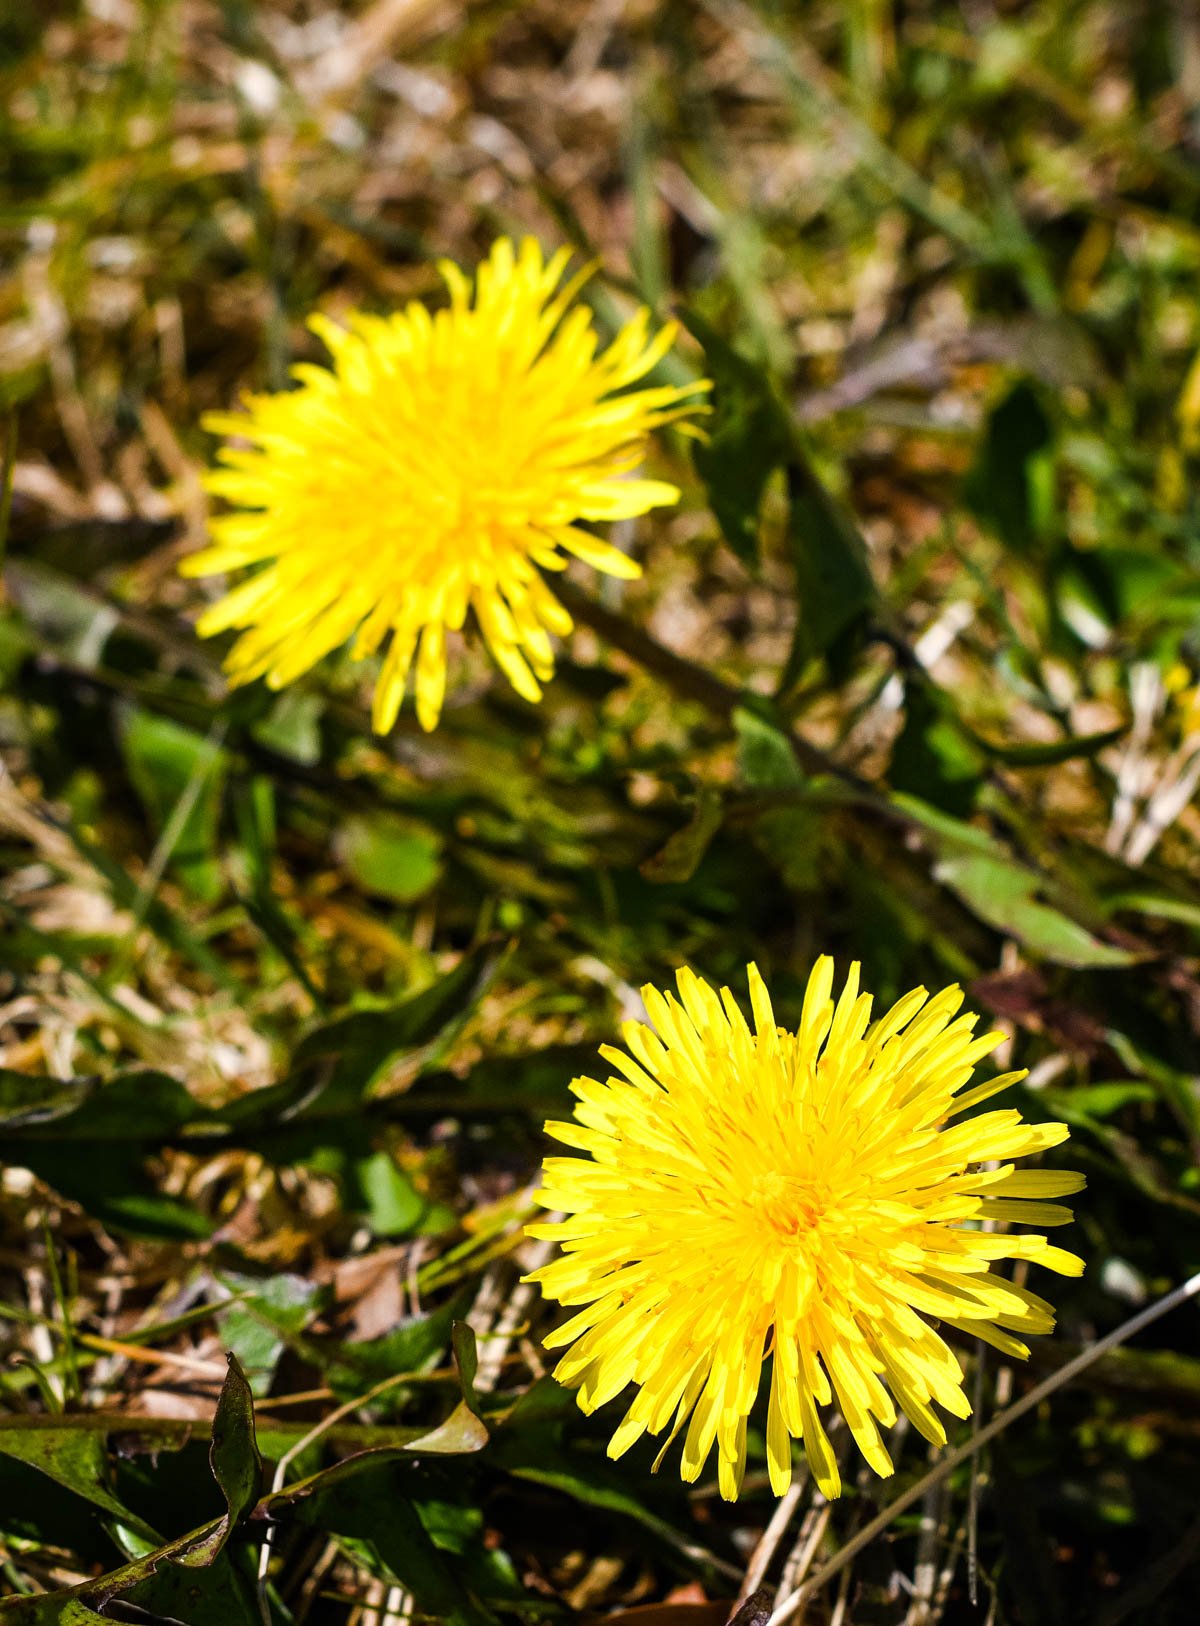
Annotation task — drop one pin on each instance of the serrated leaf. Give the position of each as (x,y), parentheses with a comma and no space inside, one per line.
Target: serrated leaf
(166,1581)
(76,1613)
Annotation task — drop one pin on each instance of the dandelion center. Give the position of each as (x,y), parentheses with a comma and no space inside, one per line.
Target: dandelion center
(791,1204)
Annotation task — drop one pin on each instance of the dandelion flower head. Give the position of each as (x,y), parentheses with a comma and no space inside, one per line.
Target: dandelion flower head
(440,464)
(753,1193)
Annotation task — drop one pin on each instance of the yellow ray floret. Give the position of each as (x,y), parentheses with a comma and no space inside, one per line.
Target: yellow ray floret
(439,465)
(755,1193)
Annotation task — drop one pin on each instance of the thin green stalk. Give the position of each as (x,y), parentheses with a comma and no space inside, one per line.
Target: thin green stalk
(71,1382)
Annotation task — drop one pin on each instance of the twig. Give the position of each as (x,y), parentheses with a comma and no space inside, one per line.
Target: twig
(946,1575)
(925,1570)
(1128,1329)
(812,1533)
(762,1555)
(973,1492)
(513,1315)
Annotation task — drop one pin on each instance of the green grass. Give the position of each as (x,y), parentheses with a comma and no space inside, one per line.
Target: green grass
(911,678)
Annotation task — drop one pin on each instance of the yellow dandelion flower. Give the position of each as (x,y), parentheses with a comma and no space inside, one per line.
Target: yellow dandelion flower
(438,466)
(752,1192)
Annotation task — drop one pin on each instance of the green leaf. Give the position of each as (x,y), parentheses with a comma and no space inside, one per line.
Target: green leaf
(220,1594)
(29,1099)
(53,1609)
(1157,906)
(16,643)
(186,1579)
(172,768)
(834,589)
(75,1458)
(140,1106)
(367,1499)
(765,756)
(466,1358)
(750,436)
(679,858)
(360,1045)
(1098,1101)
(460,1434)
(390,856)
(190,1579)
(459,1527)
(392,1203)
(1002,892)
(747,438)
(529,1449)
(233,1456)
(1010,486)
(1118,584)
(793,839)
(1051,752)
(292,727)
(413,1346)
(57,1137)
(254,1322)
(1177,1089)
(933,758)
(76,1613)
(36,1507)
